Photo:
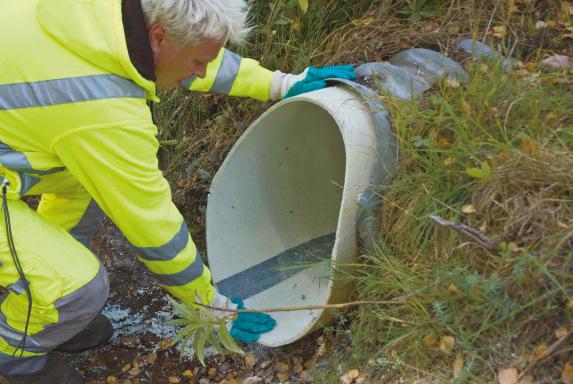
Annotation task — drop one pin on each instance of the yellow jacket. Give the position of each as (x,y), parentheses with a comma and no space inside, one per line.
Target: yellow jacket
(74,119)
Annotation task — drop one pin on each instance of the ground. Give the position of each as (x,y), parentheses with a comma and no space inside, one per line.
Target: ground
(141,351)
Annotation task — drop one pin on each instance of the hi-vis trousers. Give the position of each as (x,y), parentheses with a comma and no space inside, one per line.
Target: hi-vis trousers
(69,285)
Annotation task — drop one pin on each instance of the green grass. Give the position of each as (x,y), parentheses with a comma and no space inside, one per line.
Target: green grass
(502,143)
(497,306)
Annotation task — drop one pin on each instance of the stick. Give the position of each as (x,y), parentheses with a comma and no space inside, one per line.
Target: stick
(303,308)
(473,234)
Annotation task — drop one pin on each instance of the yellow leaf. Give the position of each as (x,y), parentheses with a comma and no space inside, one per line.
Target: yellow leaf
(448,161)
(507,376)
(567,373)
(303,5)
(363,22)
(454,289)
(500,31)
(469,208)
(458,366)
(561,332)
(447,344)
(482,173)
(538,353)
(430,340)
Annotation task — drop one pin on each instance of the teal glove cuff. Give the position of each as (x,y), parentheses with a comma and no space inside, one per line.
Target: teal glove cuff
(249,326)
(315,77)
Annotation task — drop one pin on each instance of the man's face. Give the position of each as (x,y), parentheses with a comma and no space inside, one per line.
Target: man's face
(173,63)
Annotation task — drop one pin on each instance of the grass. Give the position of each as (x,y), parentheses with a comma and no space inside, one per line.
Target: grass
(497,306)
(495,153)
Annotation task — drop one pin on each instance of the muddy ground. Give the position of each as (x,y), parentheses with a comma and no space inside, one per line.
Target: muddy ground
(141,352)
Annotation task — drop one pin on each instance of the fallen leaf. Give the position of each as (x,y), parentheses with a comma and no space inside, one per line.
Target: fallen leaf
(282,377)
(567,373)
(188,374)
(500,31)
(350,376)
(111,380)
(174,380)
(310,364)
(458,366)
(430,340)
(447,344)
(363,22)
(529,145)
(507,376)
(567,7)
(165,343)
(482,173)
(452,83)
(448,161)
(454,289)
(134,372)
(126,368)
(538,353)
(282,367)
(250,361)
(443,142)
(469,208)
(540,24)
(212,372)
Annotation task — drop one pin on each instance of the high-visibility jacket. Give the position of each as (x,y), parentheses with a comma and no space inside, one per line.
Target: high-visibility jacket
(75,128)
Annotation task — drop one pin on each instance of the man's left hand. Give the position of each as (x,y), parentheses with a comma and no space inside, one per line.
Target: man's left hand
(311,79)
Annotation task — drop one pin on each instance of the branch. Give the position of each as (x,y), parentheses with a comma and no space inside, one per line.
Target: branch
(473,234)
(304,308)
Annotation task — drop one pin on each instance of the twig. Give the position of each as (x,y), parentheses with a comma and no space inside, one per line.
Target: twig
(473,234)
(547,353)
(303,308)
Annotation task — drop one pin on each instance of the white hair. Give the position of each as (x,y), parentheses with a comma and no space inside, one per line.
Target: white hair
(190,21)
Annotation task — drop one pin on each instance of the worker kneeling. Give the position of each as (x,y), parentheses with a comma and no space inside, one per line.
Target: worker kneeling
(76,81)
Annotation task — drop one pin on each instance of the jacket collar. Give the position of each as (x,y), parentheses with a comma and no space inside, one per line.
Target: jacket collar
(137,39)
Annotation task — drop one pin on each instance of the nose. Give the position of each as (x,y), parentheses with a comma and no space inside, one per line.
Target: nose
(200,71)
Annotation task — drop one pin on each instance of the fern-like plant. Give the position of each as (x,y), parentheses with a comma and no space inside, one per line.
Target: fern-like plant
(199,327)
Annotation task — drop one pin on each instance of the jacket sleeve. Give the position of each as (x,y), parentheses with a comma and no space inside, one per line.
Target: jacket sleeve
(230,74)
(118,167)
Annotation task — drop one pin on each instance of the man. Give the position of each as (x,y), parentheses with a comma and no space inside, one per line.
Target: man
(76,77)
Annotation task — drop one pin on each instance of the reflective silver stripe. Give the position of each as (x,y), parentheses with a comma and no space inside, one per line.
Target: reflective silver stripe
(18,287)
(17,161)
(88,224)
(75,311)
(26,365)
(68,90)
(14,160)
(169,250)
(187,83)
(227,73)
(13,337)
(27,182)
(186,276)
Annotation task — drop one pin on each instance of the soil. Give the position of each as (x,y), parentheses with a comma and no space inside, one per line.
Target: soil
(141,351)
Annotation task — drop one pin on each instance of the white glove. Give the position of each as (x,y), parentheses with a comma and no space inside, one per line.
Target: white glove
(222,302)
(282,83)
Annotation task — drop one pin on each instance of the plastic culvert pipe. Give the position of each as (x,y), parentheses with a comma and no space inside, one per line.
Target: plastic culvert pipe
(300,190)
(284,206)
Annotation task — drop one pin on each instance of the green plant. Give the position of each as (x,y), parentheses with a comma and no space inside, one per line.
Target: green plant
(199,328)
(417,10)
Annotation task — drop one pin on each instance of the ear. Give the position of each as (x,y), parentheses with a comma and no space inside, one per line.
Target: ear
(157,37)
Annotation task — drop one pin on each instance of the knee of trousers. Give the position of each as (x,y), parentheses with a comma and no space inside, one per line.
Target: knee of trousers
(75,312)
